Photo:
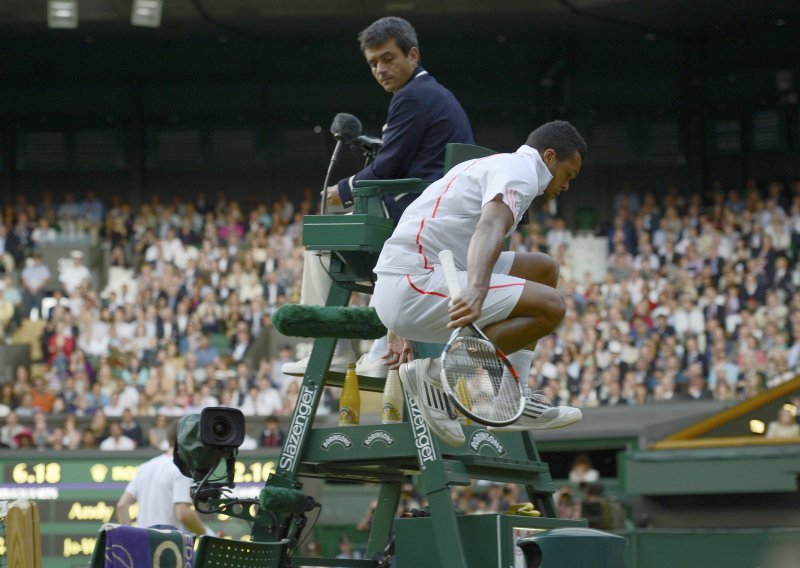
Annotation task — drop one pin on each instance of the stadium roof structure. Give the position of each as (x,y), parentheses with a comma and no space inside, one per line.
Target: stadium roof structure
(681,18)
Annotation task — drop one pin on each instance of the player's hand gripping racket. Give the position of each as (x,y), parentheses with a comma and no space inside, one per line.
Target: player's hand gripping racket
(476,375)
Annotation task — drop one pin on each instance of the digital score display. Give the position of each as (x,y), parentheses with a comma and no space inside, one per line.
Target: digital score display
(77,495)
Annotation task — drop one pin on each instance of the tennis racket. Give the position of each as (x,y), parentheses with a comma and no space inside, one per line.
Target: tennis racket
(476,376)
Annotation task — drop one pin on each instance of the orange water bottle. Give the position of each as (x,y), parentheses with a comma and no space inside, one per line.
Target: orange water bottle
(392,399)
(350,402)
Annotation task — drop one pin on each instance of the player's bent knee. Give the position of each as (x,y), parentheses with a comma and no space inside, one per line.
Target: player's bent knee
(541,302)
(553,269)
(536,267)
(556,309)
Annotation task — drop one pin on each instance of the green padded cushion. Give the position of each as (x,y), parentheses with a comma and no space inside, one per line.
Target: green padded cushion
(325,321)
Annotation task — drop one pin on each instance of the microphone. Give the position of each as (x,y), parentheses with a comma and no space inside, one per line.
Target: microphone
(345,127)
(369,143)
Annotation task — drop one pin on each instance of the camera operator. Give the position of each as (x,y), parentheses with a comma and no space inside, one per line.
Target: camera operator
(423,118)
(162,492)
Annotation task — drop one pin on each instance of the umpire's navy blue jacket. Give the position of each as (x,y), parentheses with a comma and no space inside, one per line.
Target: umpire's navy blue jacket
(423,117)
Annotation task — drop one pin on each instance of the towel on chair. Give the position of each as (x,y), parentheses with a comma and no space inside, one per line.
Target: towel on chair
(132,547)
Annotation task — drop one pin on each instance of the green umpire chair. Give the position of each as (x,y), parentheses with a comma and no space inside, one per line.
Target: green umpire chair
(386,453)
(215,552)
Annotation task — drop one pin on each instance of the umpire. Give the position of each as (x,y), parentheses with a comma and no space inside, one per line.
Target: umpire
(423,115)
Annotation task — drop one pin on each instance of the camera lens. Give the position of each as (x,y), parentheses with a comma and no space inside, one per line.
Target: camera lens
(221,428)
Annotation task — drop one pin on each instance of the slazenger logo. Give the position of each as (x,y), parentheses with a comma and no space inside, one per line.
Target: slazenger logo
(483,438)
(379,436)
(336,439)
(422,436)
(298,426)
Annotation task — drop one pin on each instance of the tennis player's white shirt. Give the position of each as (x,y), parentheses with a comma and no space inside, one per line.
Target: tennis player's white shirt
(410,293)
(158,485)
(445,215)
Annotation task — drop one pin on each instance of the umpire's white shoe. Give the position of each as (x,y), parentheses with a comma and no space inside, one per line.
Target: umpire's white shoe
(339,364)
(366,367)
(432,401)
(540,414)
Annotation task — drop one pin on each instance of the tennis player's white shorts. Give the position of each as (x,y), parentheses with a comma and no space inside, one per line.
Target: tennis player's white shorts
(415,306)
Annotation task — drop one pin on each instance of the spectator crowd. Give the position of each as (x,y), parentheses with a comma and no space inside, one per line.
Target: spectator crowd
(700,301)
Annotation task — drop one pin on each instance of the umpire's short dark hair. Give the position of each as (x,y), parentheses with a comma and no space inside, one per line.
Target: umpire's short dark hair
(390,27)
(559,135)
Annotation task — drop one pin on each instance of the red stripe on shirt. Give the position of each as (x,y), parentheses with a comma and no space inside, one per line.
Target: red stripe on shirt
(425,264)
(511,196)
(436,208)
(507,285)
(421,291)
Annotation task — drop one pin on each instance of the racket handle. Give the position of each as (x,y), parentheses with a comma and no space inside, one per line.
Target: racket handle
(450,273)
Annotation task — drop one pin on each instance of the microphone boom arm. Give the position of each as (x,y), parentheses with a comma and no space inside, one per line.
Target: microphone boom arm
(334,157)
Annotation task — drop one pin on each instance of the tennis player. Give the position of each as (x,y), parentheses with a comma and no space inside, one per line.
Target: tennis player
(512,296)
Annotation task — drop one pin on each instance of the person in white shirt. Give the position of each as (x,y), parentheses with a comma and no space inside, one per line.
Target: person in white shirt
(785,426)
(511,295)
(263,400)
(117,441)
(558,235)
(207,398)
(75,275)
(688,319)
(269,398)
(162,492)
(43,234)
(170,407)
(250,403)
(114,408)
(95,341)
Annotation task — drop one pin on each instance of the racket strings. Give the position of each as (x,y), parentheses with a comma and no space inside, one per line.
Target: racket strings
(480,380)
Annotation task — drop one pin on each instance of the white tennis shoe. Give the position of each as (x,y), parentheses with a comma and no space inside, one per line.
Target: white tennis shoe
(366,367)
(540,414)
(432,400)
(339,364)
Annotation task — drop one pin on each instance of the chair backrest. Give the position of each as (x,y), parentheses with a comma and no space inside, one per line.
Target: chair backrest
(215,552)
(457,153)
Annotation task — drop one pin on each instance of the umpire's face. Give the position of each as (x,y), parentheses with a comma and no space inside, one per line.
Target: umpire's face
(390,66)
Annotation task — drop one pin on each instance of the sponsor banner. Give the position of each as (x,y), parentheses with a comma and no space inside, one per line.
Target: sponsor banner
(301,422)
(379,436)
(336,438)
(483,438)
(422,434)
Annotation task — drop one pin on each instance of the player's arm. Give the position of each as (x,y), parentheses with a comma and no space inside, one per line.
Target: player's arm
(190,519)
(484,249)
(123,506)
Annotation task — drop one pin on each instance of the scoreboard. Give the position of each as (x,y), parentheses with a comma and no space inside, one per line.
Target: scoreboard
(76,492)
